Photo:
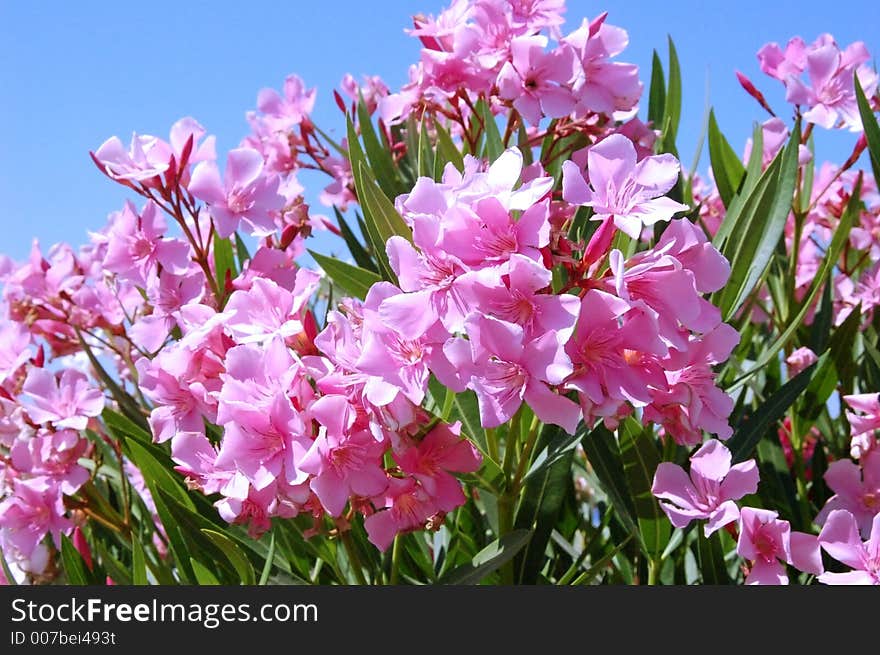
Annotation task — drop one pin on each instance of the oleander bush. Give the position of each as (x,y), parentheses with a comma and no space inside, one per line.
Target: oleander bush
(551,356)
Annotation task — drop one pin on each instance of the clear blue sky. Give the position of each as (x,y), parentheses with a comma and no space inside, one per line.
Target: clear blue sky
(74,73)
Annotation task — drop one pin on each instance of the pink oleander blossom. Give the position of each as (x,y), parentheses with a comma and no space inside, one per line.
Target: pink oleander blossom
(65,402)
(856,489)
(840,539)
(246,193)
(404,506)
(709,491)
(433,459)
(619,187)
(864,424)
(769,543)
(33,510)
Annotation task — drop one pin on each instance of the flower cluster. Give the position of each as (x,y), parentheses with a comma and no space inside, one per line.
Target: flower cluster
(502,50)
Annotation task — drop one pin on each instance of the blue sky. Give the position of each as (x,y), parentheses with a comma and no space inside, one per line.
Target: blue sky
(73,74)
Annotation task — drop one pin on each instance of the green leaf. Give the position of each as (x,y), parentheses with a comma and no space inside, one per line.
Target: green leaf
(157,472)
(841,236)
(872,129)
(494,146)
(446,148)
(351,279)
(267,567)
(603,454)
(379,210)
(541,501)
(711,559)
(750,431)
(745,191)
(241,252)
(727,168)
(358,252)
(126,403)
(233,553)
(426,153)
(121,426)
(638,450)
(203,574)
(138,563)
(378,155)
(754,238)
(672,112)
(657,93)
(224,261)
(74,565)
(488,560)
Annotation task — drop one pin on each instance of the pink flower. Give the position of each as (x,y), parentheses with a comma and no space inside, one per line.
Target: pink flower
(535,80)
(67,402)
(615,351)
(147,157)
(265,436)
(246,193)
(618,187)
(280,113)
(800,359)
(506,371)
(267,310)
(603,86)
(406,506)
(136,246)
(402,363)
(830,94)
(765,540)
(34,510)
(513,294)
(691,402)
(856,489)
(15,341)
(709,491)
(431,461)
(55,455)
(344,463)
(865,424)
(840,539)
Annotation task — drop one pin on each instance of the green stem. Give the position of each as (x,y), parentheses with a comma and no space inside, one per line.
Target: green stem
(653,571)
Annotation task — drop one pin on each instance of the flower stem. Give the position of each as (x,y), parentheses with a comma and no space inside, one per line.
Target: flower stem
(353,558)
(395,560)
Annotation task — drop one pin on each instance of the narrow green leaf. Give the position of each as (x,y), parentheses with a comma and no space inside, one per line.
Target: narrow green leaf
(603,454)
(355,281)
(750,431)
(727,168)
(672,112)
(241,252)
(358,252)
(841,235)
(657,93)
(74,565)
(541,501)
(388,222)
(760,228)
(447,151)
(588,576)
(203,574)
(224,261)
(377,154)
(426,154)
(156,474)
(267,567)
(870,126)
(138,563)
(711,559)
(494,146)
(638,451)
(233,553)
(126,403)
(488,560)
